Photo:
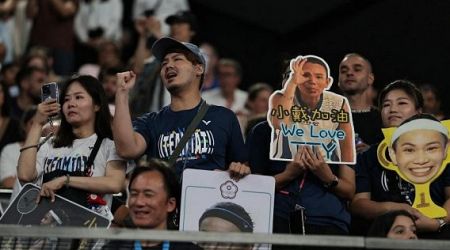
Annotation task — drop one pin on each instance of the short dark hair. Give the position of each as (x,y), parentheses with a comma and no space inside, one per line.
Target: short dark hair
(406,86)
(27,72)
(102,125)
(231,63)
(382,224)
(171,185)
(170,180)
(256,88)
(362,57)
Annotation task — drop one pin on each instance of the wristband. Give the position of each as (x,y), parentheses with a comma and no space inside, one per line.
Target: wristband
(28,147)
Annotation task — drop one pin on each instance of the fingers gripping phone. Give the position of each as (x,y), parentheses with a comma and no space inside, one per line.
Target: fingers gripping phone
(50,91)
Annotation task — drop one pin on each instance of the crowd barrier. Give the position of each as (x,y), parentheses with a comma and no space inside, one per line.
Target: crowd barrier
(332,242)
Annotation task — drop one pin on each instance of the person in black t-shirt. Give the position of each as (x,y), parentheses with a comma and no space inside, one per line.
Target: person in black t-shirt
(355,80)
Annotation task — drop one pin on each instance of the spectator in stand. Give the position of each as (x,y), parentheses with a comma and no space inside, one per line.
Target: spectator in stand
(40,57)
(10,154)
(149,94)
(161,10)
(107,55)
(8,77)
(397,224)
(21,29)
(7,9)
(183,26)
(99,20)
(154,194)
(8,125)
(218,138)
(30,81)
(256,106)
(432,101)
(355,80)
(306,187)
(228,95)
(59,15)
(212,58)
(379,190)
(85,132)
(108,78)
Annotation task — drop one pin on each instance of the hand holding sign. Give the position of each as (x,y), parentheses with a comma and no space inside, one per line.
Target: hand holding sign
(297,166)
(315,162)
(304,113)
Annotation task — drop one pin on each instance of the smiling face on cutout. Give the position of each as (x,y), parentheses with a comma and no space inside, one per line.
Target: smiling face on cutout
(419,154)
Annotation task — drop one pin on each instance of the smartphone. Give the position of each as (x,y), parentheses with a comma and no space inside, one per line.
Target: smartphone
(50,91)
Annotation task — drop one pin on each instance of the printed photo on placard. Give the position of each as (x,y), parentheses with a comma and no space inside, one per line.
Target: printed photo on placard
(24,210)
(213,202)
(305,114)
(418,151)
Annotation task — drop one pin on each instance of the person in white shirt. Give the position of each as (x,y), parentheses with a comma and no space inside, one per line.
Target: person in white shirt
(228,95)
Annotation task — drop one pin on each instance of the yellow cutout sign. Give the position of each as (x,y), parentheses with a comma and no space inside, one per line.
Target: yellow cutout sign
(427,160)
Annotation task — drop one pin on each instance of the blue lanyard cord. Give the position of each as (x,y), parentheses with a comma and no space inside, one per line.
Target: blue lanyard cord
(138,246)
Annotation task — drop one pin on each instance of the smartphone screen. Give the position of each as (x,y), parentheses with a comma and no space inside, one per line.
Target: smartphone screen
(50,91)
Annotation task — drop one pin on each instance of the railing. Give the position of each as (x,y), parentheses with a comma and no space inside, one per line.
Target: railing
(7,231)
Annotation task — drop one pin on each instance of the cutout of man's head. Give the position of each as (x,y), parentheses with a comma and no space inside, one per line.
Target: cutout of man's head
(419,148)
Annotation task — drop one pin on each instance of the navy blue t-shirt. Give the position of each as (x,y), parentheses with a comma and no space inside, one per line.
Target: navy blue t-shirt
(215,143)
(386,185)
(322,207)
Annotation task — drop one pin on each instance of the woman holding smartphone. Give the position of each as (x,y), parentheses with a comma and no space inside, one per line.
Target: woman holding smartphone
(79,162)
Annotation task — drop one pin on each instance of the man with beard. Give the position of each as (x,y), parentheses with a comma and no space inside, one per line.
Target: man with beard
(355,80)
(30,81)
(217,141)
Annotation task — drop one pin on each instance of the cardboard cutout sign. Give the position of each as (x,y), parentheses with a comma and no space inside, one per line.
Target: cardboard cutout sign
(418,155)
(24,210)
(304,113)
(211,201)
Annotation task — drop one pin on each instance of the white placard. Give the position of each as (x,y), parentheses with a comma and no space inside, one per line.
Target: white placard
(203,189)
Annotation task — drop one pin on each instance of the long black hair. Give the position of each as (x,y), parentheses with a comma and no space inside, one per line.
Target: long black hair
(102,126)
